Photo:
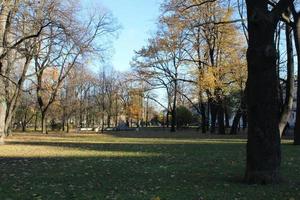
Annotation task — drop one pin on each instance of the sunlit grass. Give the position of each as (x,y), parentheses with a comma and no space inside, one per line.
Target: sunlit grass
(104,139)
(29,151)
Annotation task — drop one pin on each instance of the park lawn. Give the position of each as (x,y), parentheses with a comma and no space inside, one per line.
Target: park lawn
(182,166)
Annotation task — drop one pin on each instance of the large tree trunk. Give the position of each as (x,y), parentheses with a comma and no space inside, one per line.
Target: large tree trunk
(289,97)
(5,12)
(263,146)
(12,103)
(12,94)
(297,44)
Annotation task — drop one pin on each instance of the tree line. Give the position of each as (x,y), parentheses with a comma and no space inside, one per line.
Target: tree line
(42,43)
(195,56)
(85,99)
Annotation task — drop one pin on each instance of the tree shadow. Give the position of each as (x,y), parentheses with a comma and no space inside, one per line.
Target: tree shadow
(165,133)
(179,171)
(174,174)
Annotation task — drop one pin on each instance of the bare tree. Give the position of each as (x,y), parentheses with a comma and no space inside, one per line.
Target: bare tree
(20,27)
(66,44)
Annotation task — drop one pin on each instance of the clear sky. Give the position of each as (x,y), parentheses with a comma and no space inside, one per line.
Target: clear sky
(138,19)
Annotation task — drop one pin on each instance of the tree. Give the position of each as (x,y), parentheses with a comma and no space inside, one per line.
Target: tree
(289,94)
(296,28)
(106,96)
(63,47)
(161,63)
(215,51)
(69,98)
(263,146)
(20,26)
(25,111)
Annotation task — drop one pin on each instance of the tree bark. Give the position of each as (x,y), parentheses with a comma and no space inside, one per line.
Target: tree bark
(227,125)
(173,120)
(102,121)
(2,119)
(213,114)
(63,124)
(263,146)
(35,121)
(174,107)
(221,127)
(241,113)
(68,127)
(108,120)
(147,112)
(12,103)
(44,123)
(203,116)
(24,122)
(167,118)
(116,111)
(289,97)
(208,118)
(297,45)
(245,120)
(236,121)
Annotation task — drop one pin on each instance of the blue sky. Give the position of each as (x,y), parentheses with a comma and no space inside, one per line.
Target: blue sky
(138,20)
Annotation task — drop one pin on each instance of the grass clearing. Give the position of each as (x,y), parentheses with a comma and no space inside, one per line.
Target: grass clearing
(181,166)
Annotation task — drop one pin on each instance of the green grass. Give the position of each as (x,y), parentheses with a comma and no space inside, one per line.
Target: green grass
(184,166)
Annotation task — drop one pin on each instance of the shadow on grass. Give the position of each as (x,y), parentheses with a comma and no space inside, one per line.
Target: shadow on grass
(182,171)
(209,168)
(165,133)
